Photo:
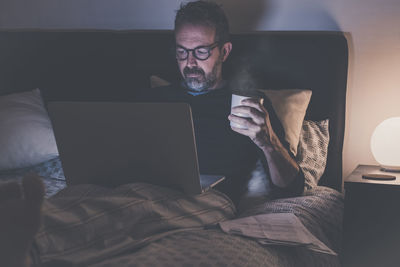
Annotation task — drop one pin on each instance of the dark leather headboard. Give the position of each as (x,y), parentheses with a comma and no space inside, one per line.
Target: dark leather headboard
(115,65)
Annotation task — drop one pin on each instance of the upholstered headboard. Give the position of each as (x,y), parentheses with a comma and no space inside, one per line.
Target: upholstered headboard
(115,65)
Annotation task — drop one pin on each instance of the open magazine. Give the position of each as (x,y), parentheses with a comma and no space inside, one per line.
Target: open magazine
(276,229)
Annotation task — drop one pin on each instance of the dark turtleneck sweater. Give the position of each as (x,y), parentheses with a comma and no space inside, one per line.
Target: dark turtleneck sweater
(221,150)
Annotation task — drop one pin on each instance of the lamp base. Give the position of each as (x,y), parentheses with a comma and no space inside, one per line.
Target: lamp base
(387,168)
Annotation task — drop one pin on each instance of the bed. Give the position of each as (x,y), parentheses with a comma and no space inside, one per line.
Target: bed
(117,65)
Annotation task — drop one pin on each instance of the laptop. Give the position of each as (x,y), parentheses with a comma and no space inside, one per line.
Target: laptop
(110,144)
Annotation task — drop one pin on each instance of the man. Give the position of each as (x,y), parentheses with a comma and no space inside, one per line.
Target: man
(202,45)
(71,219)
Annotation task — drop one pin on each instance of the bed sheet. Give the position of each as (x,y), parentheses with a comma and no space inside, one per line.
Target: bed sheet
(320,210)
(151,234)
(213,248)
(86,224)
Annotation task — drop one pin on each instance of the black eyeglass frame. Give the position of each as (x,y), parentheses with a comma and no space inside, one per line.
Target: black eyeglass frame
(193,50)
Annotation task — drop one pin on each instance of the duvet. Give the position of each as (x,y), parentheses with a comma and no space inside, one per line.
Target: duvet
(145,225)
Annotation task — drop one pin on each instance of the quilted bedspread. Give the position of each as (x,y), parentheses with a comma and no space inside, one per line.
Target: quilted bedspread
(320,210)
(146,225)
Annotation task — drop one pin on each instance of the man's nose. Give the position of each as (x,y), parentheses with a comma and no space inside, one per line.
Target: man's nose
(191,60)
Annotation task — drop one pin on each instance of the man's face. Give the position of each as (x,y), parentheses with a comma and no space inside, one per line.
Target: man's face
(199,75)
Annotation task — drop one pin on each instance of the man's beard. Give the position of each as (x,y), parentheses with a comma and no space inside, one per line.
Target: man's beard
(203,82)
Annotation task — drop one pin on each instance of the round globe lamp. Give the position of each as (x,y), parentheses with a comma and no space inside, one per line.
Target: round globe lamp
(385,144)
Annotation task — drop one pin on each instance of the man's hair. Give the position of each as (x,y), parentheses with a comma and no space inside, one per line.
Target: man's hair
(204,13)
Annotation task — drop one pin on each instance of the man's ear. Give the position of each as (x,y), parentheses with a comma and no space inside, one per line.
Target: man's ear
(226,50)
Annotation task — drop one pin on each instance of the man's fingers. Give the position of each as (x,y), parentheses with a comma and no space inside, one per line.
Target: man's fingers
(249,109)
(247,132)
(244,111)
(245,122)
(240,130)
(252,115)
(256,103)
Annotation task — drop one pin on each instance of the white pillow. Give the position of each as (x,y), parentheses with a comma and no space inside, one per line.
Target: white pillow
(290,106)
(26,135)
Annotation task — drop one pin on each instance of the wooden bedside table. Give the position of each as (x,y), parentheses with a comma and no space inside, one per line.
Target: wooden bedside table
(371,219)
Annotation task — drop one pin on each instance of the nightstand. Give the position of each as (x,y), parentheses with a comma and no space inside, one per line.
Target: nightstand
(371,219)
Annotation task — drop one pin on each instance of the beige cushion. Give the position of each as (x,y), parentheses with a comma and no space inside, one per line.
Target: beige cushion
(290,106)
(26,136)
(156,81)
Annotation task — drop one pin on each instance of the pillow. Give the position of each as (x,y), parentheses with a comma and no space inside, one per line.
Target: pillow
(313,151)
(26,136)
(156,81)
(290,106)
(51,169)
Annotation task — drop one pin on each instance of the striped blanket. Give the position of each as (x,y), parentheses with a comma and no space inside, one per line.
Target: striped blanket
(145,225)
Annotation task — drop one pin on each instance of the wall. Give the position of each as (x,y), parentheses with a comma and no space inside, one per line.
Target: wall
(373,27)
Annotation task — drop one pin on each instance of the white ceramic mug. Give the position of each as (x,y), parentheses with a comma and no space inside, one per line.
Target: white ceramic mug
(236,101)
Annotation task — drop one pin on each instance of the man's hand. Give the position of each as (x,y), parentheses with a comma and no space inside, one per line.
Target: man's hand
(257,125)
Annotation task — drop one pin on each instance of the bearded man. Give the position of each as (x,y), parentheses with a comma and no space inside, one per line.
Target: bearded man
(69,237)
(202,46)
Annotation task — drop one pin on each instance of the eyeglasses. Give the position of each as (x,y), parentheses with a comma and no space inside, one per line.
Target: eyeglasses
(200,52)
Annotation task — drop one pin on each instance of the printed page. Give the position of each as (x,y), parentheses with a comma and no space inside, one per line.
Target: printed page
(275,229)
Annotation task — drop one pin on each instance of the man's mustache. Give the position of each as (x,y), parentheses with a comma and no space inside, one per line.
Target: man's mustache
(188,71)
